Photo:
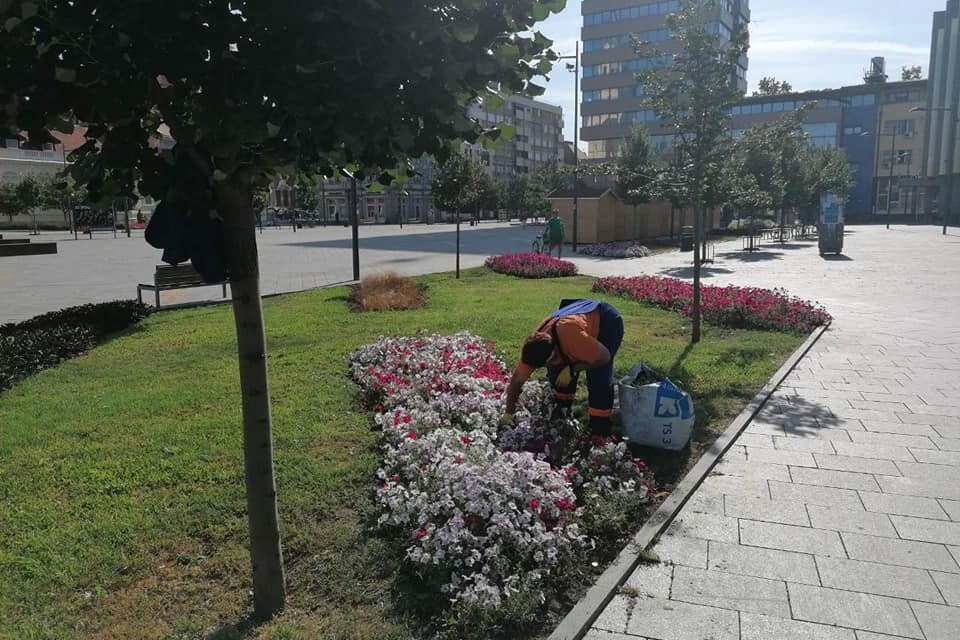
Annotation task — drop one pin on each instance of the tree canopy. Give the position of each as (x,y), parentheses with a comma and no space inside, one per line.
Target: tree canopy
(634,169)
(243,89)
(457,184)
(769,86)
(911,73)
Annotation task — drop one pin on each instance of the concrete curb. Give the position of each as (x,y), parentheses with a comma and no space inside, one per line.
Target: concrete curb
(578,621)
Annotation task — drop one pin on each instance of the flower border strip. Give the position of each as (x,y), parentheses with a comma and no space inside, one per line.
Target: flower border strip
(579,620)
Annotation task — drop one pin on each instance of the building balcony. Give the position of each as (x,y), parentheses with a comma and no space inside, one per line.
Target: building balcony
(31,155)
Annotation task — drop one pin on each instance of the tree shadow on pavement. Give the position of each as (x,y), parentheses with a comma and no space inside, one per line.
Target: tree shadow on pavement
(797,416)
(474,241)
(687,272)
(789,246)
(837,258)
(751,256)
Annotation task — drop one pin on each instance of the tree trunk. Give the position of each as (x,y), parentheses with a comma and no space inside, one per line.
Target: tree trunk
(697,231)
(458,245)
(266,555)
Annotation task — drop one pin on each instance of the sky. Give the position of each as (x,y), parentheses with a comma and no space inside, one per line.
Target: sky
(812,44)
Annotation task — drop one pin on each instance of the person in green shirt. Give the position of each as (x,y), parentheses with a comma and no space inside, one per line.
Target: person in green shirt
(553,234)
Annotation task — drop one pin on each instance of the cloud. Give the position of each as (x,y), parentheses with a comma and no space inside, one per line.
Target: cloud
(823,47)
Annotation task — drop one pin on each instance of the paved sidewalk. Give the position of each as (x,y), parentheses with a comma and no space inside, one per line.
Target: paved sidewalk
(107,268)
(836,515)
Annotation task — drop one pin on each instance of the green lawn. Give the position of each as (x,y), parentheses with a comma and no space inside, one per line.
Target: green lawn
(121,493)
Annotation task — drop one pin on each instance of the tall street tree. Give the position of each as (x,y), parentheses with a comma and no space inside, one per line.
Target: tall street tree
(456,187)
(635,172)
(62,192)
(769,156)
(9,201)
(693,95)
(28,193)
(513,194)
(243,88)
(824,170)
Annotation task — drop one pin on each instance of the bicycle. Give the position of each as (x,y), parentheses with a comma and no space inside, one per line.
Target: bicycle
(537,246)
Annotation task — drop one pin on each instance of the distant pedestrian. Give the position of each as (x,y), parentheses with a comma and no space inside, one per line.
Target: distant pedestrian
(554,234)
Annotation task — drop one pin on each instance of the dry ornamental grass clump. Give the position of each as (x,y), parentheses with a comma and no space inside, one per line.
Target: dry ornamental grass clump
(388,292)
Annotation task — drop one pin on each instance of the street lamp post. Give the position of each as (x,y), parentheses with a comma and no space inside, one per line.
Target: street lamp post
(576,134)
(893,144)
(893,152)
(948,201)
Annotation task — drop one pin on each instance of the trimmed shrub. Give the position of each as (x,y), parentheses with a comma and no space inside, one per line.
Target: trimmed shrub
(733,307)
(49,339)
(531,265)
(615,250)
(388,292)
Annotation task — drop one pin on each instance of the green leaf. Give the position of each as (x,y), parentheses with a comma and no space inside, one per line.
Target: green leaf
(491,100)
(541,12)
(507,131)
(649,557)
(28,10)
(11,23)
(465,32)
(62,74)
(375,187)
(272,130)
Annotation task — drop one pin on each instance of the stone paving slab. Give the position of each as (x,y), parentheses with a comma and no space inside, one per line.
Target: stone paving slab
(865,531)
(760,627)
(857,610)
(309,258)
(763,563)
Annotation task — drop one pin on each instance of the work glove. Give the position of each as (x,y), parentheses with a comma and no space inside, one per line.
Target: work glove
(506,420)
(565,377)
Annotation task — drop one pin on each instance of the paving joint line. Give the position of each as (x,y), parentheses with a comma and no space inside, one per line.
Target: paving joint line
(578,620)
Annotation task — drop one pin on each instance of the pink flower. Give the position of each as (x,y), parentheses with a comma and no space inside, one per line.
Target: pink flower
(420,533)
(531,265)
(458,459)
(534,504)
(411,435)
(728,306)
(466,440)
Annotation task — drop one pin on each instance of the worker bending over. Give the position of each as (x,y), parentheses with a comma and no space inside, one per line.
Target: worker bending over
(583,335)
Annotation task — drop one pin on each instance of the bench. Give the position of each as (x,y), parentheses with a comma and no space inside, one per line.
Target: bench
(181,276)
(27,249)
(106,228)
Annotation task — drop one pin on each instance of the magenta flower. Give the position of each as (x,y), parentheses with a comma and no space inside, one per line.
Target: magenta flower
(730,306)
(531,265)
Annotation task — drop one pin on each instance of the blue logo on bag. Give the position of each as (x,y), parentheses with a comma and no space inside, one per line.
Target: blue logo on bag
(671,402)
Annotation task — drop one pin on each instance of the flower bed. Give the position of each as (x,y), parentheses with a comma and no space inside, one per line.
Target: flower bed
(531,265)
(735,307)
(615,250)
(47,340)
(483,512)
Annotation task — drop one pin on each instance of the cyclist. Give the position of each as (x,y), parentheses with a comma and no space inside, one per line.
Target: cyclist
(553,234)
